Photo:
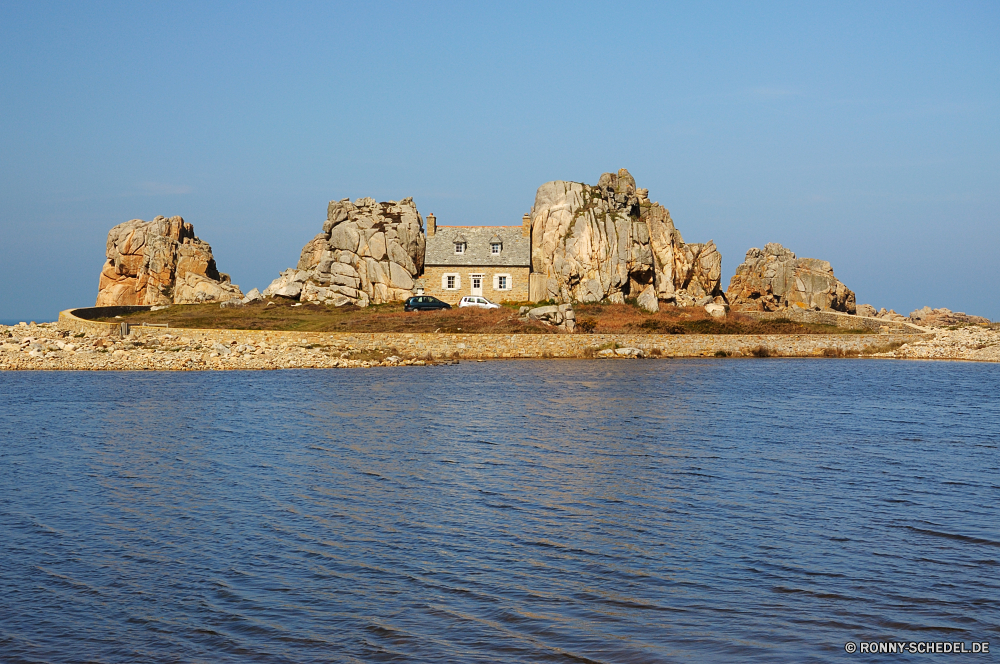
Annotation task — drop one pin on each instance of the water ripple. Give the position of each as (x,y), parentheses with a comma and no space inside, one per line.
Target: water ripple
(659,511)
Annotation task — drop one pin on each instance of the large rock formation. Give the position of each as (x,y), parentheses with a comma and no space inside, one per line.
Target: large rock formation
(942,317)
(160,262)
(591,243)
(368,253)
(775,279)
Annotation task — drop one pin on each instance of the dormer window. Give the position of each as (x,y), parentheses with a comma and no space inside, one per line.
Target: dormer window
(495,247)
(459,247)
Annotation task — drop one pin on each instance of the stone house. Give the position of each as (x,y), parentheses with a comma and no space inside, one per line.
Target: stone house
(492,261)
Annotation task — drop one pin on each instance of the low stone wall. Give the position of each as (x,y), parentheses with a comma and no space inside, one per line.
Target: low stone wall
(841,320)
(78,320)
(488,346)
(90,313)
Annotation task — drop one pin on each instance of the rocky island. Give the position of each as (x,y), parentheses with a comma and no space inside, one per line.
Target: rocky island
(605,270)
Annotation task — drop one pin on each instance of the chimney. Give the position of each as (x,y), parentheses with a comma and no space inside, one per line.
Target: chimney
(431,225)
(526,225)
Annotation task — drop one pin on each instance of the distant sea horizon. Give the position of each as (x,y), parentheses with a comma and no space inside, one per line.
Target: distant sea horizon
(15,321)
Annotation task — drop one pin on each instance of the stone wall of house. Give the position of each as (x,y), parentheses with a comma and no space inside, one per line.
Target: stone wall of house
(433,278)
(494,346)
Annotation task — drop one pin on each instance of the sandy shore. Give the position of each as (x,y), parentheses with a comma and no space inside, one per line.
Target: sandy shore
(43,347)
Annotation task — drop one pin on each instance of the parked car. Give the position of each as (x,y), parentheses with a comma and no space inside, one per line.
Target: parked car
(424,303)
(477,301)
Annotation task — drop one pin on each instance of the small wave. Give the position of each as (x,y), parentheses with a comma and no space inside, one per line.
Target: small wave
(953,536)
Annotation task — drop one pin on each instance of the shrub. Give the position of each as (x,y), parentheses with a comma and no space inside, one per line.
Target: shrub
(721,353)
(839,352)
(760,351)
(662,326)
(586,325)
(886,348)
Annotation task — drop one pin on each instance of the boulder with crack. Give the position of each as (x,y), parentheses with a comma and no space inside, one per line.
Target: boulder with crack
(609,242)
(559,315)
(160,262)
(773,278)
(368,253)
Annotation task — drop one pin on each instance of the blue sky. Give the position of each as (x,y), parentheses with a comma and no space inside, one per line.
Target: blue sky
(865,134)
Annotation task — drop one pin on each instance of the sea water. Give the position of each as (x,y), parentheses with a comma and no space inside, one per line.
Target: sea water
(521,511)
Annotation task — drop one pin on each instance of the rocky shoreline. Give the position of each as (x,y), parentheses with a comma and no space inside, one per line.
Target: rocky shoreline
(972,343)
(45,347)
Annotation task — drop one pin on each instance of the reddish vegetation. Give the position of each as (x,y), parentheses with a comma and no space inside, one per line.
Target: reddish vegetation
(593,318)
(282,315)
(625,318)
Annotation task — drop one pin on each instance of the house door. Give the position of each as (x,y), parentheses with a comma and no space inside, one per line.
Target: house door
(477,284)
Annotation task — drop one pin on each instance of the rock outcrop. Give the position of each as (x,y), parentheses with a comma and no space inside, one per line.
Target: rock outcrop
(866,310)
(945,317)
(775,279)
(368,253)
(715,310)
(160,262)
(891,316)
(591,243)
(647,299)
(925,316)
(559,315)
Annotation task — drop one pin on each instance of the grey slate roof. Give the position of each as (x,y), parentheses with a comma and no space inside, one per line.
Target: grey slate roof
(516,250)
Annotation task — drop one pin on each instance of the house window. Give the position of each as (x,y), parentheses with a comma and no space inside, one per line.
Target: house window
(501,282)
(450,282)
(459,247)
(495,247)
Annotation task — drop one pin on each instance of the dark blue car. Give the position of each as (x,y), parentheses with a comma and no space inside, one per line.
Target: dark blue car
(425,303)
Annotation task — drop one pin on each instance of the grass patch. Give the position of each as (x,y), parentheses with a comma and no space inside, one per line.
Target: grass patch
(625,318)
(320,318)
(885,348)
(603,318)
(840,352)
